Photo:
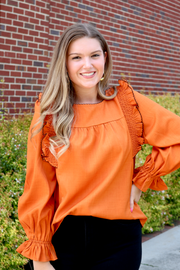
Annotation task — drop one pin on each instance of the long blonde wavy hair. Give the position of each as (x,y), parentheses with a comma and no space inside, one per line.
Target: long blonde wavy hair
(58,93)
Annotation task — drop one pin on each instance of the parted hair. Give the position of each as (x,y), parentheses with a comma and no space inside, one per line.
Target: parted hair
(58,94)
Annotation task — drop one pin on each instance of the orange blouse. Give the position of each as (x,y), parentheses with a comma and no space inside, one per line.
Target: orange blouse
(94,176)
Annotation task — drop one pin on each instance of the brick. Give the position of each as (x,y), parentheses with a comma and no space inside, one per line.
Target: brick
(22,43)
(32,57)
(38,64)
(17,36)
(40,4)
(1,66)
(11,29)
(6,21)
(44,58)
(23,31)
(29,26)
(38,51)
(5,34)
(16,61)
(44,23)
(33,45)
(37,75)
(20,105)
(17,23)
(11,41)
(12,3)
(16,99)
(2,27)
(6,8)
(9,67)
(32,69)
(39,40)
(40,16)
(4,99)
(39,28)
(17,49)
(15,86)
(26,87)
(34,21)
(4,86)
(22,68)
(18,11)
(27,50)
(11,16)
(29,13)
(44,11)
(27,74)
(44,35)
(2,40)
(23,5)
(31,81)
(4,60)
(37,87)
(20,93)
(35,8)
(8,93)
(26,99)
(20,80)
(23,18)
(9,80)
(28,38)
(32,94)
(15,74)
(32,2)
(21,55)
(27,63)
(43,70)
(5,47)
(33,33)
(10,54)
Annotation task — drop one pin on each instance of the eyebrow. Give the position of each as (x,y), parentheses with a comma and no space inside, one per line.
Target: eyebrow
(81,53)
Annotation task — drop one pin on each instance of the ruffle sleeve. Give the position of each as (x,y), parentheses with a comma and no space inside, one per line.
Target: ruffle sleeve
(152,124)
(36,206)
(162,131)
(132,115)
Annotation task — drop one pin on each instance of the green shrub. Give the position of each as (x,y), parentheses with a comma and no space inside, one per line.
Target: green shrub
(160,207)
(13,142)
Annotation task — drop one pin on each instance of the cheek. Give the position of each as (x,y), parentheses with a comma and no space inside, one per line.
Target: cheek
(72,69)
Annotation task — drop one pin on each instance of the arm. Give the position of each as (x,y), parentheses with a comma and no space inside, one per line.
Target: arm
(36,205)
(162,131)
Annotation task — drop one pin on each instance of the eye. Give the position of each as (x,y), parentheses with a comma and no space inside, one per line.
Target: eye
(95,55)
(76,57)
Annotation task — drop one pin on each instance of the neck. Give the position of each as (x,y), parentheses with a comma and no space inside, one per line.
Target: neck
(89,96)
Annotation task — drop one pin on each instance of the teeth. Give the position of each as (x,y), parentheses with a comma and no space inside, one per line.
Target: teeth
(88,74)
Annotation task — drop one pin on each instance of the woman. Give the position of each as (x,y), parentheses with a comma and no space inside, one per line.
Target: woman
(80,164)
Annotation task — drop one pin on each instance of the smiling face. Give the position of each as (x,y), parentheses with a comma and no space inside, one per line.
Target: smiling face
(85,63)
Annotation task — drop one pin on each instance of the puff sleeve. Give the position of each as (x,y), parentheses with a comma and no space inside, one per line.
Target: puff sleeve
(36,206)
(162,131)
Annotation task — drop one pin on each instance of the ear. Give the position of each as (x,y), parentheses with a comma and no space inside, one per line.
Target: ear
(105,56)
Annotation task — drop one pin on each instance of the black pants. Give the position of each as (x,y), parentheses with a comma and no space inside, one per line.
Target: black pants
(90,243)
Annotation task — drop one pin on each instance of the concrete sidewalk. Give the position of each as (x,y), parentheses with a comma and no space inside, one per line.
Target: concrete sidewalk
(162,252)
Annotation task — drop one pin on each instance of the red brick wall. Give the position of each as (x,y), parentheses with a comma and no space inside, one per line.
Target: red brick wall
(144,37)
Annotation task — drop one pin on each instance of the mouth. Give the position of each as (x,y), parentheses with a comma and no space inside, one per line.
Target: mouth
(88,75)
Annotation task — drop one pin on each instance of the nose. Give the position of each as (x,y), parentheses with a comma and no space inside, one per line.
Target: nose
(87,62)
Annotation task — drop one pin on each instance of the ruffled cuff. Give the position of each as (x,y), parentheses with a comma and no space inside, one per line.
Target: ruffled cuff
(145,177)
(38,250)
